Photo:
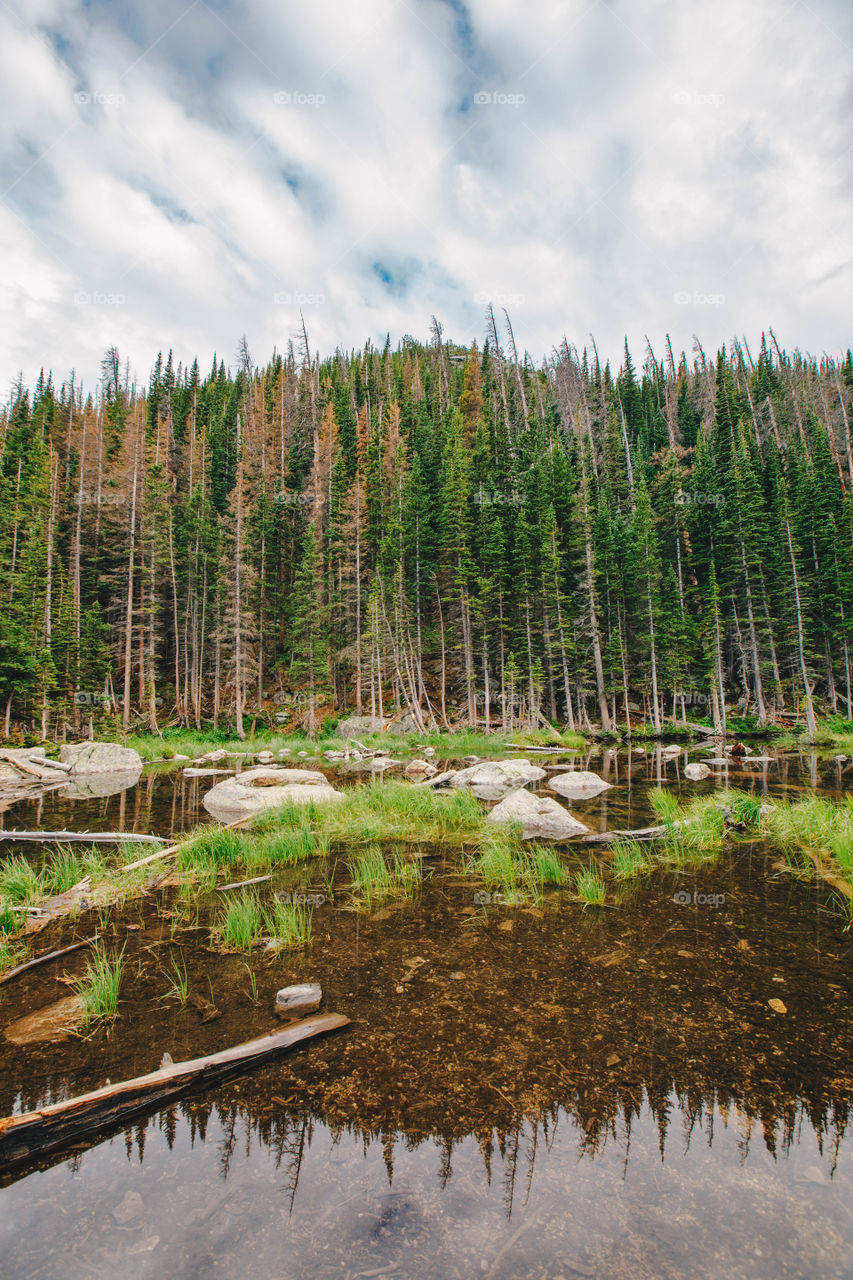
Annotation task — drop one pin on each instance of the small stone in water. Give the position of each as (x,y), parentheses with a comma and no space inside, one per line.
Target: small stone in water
(777,1006)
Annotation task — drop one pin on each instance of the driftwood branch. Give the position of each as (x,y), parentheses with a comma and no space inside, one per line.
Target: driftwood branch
(36,1133)
(49,955)
(642,833)
(87,837)
(242,884)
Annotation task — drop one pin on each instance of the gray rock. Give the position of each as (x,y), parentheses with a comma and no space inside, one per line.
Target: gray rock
(579,785)
(358,727)
(416,768)
(429,751)
(540,817)
(696,771)
(440,780)
(491,779)
(99,757)
(292,1002)
(257,789)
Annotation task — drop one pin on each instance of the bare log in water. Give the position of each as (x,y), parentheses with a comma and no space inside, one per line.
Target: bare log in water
(49,955)
(36,1133)
(642,833)
(86,837)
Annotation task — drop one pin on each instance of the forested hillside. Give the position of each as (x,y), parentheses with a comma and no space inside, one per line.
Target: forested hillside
(449,531)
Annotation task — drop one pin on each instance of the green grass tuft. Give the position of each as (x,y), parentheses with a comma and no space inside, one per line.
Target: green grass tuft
(240,922)
(20,883)
(289,924)
(590,887)
(375,877)
(99,986)
(62,869)
(630,859)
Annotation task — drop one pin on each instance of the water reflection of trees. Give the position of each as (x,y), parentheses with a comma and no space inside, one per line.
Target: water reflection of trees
(597,1118)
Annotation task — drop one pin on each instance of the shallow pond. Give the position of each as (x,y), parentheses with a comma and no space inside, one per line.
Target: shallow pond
(538,1092)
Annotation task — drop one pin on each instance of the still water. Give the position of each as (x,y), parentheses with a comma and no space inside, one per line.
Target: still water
(548,1092)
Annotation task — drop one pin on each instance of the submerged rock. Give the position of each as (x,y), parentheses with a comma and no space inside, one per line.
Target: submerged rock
(53,1022)
(99,757)
(579,785)
(540,817)
(263,788)
(696,771)
(491,779)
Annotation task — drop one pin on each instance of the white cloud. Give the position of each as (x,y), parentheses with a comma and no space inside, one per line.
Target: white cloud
(629,156)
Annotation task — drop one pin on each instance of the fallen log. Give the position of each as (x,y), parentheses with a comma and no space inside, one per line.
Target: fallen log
(37,1133)
(49,955)
(642,833)
(88,837)
(242,884)
(51,764)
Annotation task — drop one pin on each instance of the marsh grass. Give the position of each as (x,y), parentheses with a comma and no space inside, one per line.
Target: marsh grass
(12,951)
(195,743)
(384,811)
(179,986)
(62,869)
(99,986)
(630,859)
(287,847)
(376,877)
(289,924)
(546,866)
(813,834)
(518,873)
(240,922)
(20,883)
(590,887)
(210,848)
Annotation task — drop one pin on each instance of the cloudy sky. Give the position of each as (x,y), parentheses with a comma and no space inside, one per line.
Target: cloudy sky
(176,175)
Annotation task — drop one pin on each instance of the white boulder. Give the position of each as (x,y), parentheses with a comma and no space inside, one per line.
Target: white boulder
(579,785)
(491,779)
(540,817)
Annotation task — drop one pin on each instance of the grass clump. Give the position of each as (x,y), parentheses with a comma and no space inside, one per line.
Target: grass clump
(12,951)
(384,811)
(20,883)
(62,870)
(546,866)
(289,924)
(630,859)
(287,847)
(240,923)
(211,848)
(99,986)
(590,887)
(375,877)
(179,986)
